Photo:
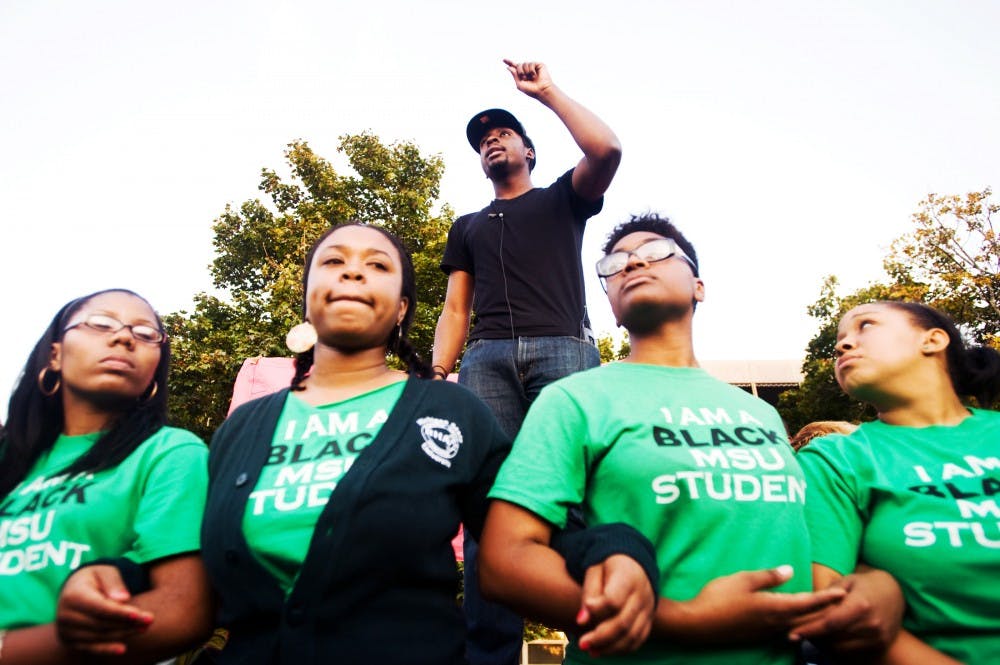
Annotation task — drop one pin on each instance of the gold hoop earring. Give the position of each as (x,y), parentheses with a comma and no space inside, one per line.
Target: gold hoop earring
(152,393)
(48,392)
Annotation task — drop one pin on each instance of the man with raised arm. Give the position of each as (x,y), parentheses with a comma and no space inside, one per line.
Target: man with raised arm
(514,269)
(514,266)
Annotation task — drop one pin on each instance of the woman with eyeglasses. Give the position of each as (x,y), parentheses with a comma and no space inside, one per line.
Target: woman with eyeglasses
(915,492)
(89,471)
(700,468)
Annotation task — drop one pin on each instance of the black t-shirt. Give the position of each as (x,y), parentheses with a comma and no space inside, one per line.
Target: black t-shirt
(524,256)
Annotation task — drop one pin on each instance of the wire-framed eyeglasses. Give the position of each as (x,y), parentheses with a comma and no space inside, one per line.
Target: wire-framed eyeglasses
(651,251)
(109,325)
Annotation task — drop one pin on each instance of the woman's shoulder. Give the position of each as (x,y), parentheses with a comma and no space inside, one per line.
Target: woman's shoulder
(985,417)
(177,435)
(168,447)
(167,439)
(245,414)
(454,399)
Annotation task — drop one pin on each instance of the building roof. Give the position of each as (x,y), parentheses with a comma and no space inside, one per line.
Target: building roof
(756,372)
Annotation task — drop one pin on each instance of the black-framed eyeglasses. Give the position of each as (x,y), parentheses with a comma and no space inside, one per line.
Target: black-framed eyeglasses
(651,251)
(103,323)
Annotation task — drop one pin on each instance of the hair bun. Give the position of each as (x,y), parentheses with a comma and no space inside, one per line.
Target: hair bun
(981,375)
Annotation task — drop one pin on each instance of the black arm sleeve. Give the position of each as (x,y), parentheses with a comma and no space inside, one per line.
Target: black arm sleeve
(583,548)
(134,575)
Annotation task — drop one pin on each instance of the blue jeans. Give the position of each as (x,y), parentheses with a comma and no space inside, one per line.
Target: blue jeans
(508,374)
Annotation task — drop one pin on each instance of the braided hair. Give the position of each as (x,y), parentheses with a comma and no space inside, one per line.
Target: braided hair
(398,343)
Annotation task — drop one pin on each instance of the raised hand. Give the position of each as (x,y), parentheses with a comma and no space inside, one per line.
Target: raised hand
(531,78)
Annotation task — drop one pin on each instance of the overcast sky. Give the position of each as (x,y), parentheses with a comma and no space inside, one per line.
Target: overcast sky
(788,140)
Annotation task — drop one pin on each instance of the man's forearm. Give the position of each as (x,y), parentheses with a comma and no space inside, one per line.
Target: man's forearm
(594,137)
(449,337)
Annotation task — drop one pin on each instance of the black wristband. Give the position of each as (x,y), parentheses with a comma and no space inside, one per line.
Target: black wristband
(134,575)
(592,545)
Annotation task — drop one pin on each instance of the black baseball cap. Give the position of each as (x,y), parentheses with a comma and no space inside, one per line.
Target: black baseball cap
(486,120)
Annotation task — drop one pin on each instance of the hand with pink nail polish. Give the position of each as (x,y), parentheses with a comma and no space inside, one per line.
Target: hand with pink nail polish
(617,605)
(94,614)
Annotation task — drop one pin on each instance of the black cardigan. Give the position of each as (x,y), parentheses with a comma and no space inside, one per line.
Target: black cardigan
(378,582)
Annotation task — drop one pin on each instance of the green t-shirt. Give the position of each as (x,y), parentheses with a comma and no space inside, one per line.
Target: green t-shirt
(922,504)
(146,508)
(312,449)
(700,467)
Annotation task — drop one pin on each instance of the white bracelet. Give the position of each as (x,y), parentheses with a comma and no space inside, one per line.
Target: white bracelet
(3,634)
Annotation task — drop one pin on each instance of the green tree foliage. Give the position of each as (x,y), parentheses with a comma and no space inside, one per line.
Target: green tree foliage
(950,260)
(606,347)
(536,631)
(260,248)
(955,251)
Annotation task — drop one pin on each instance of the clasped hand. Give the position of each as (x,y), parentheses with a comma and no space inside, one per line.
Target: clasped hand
(866,620)
(94,615)
(616,607)
(740,608)
(619,610)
